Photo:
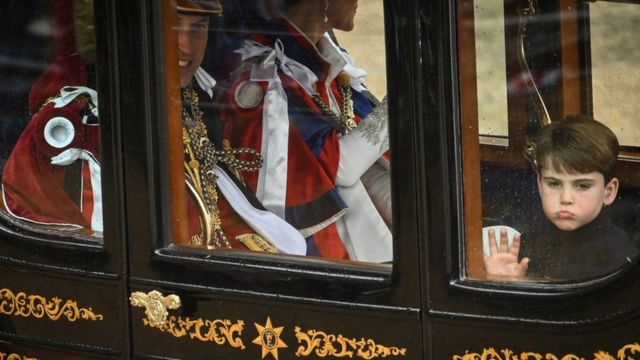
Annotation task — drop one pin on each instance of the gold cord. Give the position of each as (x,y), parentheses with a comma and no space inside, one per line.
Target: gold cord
(200,159)
(346,120)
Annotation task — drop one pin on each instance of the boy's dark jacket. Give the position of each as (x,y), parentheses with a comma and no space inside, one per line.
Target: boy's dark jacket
(593,250)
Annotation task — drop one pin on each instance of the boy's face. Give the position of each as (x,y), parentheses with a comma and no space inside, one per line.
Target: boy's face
(571,201)
(193,32)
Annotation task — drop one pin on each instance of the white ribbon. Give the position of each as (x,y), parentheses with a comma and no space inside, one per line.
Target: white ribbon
(69,93)
(277,59)
(67,157)
(278,232)
(363,146)
(272,177)
(362,229)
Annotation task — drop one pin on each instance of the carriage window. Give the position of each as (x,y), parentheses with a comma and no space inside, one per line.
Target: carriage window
(49,143)
(550,139)
(283,132)
(613,55)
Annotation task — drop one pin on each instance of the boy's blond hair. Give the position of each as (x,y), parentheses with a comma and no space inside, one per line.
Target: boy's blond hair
(577,144)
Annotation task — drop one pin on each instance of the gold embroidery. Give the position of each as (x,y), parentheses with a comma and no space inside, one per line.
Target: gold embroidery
(508,354)
(200,159)
(324,345)
(37,306)
(255,242)
(346,119)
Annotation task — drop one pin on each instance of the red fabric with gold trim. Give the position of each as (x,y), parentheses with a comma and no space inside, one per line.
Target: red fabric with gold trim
(243,128)
(33,187)
(311,193)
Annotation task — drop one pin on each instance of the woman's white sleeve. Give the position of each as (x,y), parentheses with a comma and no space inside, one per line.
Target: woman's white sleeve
(363,146)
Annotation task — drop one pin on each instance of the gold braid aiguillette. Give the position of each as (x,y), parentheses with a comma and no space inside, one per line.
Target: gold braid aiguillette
(199,163)
(346,119)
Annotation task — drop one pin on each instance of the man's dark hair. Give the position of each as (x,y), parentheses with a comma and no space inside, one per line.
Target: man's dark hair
(578,144)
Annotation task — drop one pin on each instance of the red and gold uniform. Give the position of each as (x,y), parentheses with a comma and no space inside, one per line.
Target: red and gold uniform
(294,104)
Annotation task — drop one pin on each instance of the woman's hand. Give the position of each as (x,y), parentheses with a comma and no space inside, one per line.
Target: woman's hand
(503,259)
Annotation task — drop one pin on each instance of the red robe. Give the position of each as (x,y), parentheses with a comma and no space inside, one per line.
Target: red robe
(283,62)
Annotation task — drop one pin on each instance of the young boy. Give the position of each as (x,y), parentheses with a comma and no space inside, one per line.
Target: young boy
(576,239)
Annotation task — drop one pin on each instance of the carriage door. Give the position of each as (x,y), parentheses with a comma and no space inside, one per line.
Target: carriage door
(62,292)
(517,67)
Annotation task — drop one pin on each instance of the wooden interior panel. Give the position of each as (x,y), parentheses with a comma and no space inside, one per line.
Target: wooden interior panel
(470,143)
(175,152)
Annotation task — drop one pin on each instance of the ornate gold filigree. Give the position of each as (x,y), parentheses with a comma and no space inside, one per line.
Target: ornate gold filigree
(157,309)
(218,331)
(324,345)
(14,356)
(507,354)
(156,306)
(37,306)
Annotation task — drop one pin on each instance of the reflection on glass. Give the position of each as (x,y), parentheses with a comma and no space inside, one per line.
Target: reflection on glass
(491,68)
(49,113)
(615,33)
(576,238)
(286,150)
(560,213)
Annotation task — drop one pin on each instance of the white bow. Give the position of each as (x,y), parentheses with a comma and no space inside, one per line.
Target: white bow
(272,178)
(275,59)
(69,93)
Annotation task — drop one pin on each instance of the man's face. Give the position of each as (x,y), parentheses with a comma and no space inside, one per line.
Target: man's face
(341,14)
(571,201)
(193,32)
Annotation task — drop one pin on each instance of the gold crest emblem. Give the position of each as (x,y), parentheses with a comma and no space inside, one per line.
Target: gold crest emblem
(269,339)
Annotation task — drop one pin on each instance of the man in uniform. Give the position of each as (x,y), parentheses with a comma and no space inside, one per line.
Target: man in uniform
(235,219)
(65,130)
(52,176)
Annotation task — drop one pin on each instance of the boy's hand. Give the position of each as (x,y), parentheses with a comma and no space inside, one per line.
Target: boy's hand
(503,259)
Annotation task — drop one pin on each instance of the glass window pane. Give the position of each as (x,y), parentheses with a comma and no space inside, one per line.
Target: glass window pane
(615,31)
(285,146)
(491,69)
(50,144)
(554,210)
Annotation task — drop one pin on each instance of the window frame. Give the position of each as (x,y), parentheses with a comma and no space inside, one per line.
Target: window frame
(285,275)
(452,294)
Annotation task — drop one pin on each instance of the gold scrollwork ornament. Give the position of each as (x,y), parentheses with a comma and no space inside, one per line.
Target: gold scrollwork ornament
(23,305)
(324,345)
(157,309)
(14,356)
(508,354)
(218,331)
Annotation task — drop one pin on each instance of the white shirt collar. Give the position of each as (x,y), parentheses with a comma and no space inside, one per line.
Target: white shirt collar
(205,81)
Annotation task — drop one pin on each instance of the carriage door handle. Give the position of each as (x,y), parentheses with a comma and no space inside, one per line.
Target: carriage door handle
(156,305)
